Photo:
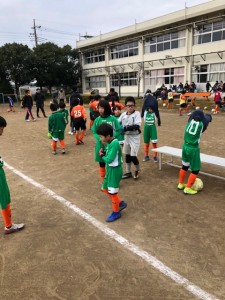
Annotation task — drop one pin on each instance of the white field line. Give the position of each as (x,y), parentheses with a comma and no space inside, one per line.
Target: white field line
(147,257)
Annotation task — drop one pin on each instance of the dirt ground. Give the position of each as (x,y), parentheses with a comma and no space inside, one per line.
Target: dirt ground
(61,256)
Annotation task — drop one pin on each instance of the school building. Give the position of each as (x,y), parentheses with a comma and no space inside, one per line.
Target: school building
(186,45)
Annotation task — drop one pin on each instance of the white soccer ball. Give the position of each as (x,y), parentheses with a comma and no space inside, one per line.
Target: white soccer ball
(205,107)
(213,110)
(198,185)
(164,104)
(197,107)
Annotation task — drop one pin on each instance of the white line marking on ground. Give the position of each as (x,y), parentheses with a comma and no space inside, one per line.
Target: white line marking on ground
(147,257)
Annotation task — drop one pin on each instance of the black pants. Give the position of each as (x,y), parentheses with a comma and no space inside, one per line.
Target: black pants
(42,109)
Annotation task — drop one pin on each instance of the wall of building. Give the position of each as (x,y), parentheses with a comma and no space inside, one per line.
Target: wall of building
(186,62)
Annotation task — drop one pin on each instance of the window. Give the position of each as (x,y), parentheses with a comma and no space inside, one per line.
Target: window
(211,72)
(94,56)
(167,76)
(95,82)
(124,50)
(211,32)
(165,42)
(126,79)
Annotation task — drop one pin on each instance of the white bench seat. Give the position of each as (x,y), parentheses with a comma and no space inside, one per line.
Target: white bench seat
(176,152)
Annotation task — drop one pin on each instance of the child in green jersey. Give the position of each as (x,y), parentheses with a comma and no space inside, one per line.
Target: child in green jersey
(5,195)
(197,124)
(112,156)
(117,113)
(105,117)
(56,128)
(150,132)
(64,111)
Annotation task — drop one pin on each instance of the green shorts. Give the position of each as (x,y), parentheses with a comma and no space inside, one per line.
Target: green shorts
(191,157)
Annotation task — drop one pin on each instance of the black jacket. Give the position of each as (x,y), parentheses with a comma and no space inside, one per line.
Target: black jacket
(151,101)
(27,101)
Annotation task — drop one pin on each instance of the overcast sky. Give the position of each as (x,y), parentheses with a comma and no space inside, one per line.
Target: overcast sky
(63,21)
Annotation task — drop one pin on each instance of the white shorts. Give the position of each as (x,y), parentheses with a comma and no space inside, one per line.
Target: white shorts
(131,144)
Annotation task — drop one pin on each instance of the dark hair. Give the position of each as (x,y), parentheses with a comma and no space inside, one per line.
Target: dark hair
(97,97)
(53,107)
(107,109)
(105,129)
(76,101)
(129,99)
(2,122)
(26,91)
(62,104)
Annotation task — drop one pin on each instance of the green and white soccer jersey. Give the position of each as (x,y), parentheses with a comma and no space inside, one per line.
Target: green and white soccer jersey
(120,137)
(190,149)
(114,170)
(116,131)
(150,131)
(65,114)
(4,189)
(56,126)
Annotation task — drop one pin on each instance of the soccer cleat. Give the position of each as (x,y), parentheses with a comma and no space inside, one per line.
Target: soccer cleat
(34,120)
(189,191)
(136,175)
(181,186)
(27,120)
(127,175)
(122,205)
(13,228)
(155,159)
(81,142)
(54,152)
(146,158)
(113,217)
(63,151)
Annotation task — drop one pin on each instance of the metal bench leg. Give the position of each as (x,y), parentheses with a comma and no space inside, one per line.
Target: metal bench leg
(160,161)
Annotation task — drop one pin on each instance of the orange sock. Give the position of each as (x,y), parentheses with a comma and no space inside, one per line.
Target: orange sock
(115,202)
(102,172)
(77,137)
(6,213)
(191,180)
(216,108)
(82,134)
(62,143)
(54,143)
(187,108)
(146,148)
(155,146)
(182,175)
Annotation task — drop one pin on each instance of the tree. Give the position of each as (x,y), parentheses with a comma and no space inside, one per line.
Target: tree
(15,62)
(55,66)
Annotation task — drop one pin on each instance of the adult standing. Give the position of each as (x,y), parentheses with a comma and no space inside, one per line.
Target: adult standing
(27,104)
(39,99)
(208,86)
(61,95)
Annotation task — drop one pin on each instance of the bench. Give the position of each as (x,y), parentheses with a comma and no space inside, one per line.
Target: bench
(176,152)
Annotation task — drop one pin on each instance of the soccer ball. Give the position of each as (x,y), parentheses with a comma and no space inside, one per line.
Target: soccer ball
(205,107)
(164,104)
(213,110)
(197,107)
(198,185)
